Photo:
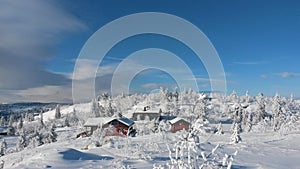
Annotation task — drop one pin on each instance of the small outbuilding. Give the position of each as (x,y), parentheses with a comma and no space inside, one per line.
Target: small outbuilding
(179,124)
(146,114)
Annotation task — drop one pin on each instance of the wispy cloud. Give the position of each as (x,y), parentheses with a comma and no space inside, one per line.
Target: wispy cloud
(30,31)
(287,74)
(280,75)
(250,63)
(199,79)
(157,85)
(264,76)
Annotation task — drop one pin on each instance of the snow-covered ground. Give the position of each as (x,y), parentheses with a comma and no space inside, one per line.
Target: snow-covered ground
(257,150)
(260,148)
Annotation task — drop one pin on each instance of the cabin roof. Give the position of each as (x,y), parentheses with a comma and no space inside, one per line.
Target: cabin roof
(126,121)
(97,121)
(177,119)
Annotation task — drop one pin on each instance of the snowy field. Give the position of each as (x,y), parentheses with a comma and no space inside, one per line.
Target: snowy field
(260,147)
(257,150)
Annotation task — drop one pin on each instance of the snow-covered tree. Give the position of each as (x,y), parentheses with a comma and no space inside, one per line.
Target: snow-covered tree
(3,147)
(109,109)
(220,129)
(235,137)
(277,112)
(12,119)
(36,139)
(72,119)
(176,94)
(234,97)
(51,135)
(2,121)
(22,142)
(20,123)
(57,112)
(238,116)
(249,122)
(260,113)
(41,120)
(95,112)
(247,97)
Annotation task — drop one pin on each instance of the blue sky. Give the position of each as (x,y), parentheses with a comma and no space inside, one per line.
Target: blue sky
(257,42)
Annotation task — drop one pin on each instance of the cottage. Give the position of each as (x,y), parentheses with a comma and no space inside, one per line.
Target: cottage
(113,126)
(146,114)
(179,124)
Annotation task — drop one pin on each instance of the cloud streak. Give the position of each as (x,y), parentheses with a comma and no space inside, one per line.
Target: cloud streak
(249,63)
(29,32)
(280,75)
(287,74)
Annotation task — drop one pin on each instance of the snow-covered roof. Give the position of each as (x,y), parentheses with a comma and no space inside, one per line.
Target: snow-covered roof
(177,119)
(126,121)
(97,121)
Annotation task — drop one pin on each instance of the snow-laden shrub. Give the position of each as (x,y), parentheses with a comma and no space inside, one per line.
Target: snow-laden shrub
(187,152)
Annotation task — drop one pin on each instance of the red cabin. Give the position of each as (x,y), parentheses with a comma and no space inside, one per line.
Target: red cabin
(179,124)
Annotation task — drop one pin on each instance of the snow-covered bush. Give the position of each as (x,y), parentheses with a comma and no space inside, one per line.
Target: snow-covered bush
(187,152)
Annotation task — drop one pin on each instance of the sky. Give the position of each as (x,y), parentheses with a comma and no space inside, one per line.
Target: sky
(257,43)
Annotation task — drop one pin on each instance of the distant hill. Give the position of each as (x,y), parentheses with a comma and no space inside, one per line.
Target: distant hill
(32,107)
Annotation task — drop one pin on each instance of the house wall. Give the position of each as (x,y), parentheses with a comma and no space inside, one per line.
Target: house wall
(180,125)
(142,116)
(119,129)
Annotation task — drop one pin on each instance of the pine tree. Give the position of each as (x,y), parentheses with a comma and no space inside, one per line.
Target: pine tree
(22,143)
(235,137)
(57,112)
(260,108)
(2,121)
(277,112)
(52,136)
(95,112)
(66,121)
(247,97)
(20,124)
(36,139)
(110,110)
(233,97)
(3,147)
(249,122)
(11,120)
(220,129)
(41,119)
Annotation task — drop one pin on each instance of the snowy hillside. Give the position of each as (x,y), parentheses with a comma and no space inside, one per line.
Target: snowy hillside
(223,132)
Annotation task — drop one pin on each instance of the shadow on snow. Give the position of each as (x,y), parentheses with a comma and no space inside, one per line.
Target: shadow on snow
(72,154)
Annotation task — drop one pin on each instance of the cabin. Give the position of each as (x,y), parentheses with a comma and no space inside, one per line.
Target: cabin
(113,126)
(146,114)
(179,124)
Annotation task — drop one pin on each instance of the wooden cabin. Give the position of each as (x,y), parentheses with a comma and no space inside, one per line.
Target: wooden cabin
(113,126)
(179,124)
